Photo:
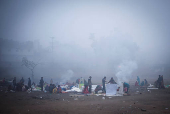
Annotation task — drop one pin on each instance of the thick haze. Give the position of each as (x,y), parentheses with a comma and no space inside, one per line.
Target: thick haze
(120,39)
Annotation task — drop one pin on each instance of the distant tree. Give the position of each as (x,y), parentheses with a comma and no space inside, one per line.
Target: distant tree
(30,65)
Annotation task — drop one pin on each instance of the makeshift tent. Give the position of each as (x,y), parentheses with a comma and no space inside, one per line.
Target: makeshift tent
(111,89)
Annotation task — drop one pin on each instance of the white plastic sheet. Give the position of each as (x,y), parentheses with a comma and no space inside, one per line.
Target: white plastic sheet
(111,89)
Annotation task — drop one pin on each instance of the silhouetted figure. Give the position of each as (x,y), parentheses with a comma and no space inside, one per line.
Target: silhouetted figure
(85,91)
(146,82)
(3,80)
(136,83)
(103,82)
(51,88)
(142,84)
(59,90)
(51,81)
(159,81)
(29,83)
(47,87)
(97,89)
(162,82)
(22,80)
(138,79)
(19,86)
(126,87)
(112,81)
(90,84)
(41,83)
(14,83)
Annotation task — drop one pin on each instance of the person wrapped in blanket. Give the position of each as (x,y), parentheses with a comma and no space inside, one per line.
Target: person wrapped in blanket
(98,88)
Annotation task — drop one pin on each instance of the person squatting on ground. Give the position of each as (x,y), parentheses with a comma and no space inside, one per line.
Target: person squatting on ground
(126,87)
(90,84)
(103,82)
(41,83)
(97,89)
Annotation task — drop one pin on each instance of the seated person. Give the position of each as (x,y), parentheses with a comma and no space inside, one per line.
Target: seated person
(136,83)
(55,90)
(59,90)
(51,88)
(142,84)
(146,82)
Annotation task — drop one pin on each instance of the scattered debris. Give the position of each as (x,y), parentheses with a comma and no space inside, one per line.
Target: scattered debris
(75,98)
(12,91)
(152,88)
(143,109)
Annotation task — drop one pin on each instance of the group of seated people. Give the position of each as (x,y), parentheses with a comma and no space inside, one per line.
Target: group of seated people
(53,89)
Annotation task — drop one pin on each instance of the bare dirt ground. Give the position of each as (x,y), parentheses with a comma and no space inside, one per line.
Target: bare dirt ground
(142,102)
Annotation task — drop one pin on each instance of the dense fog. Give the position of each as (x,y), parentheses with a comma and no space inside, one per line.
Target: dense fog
(64,40)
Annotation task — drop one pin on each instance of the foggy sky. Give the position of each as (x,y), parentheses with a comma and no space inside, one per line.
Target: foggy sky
(144,24)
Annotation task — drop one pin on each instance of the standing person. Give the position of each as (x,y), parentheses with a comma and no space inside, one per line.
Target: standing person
(22,81)
(112,81)
(14,83)
(51,81)
(138,79)
(103,82)
(3,82)
(162,82)
(41,83)
(85,91)
(90,84)
(29,83)
(159,81)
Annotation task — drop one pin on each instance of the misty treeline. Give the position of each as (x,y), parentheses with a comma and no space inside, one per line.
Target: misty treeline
(115,55)
(9,44)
